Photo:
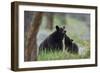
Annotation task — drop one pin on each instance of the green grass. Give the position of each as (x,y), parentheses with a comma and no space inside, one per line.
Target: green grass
(60,55)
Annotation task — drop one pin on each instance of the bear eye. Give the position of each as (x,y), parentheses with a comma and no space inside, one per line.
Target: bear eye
(61,30)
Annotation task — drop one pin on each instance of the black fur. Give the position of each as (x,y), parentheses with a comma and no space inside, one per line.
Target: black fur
(70,46)
(54,41)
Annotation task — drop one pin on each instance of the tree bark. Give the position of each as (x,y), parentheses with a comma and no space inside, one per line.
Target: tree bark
(49,17)
(31,48)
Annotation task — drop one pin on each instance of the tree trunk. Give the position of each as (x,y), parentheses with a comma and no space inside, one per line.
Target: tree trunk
(49,17)
(31,49)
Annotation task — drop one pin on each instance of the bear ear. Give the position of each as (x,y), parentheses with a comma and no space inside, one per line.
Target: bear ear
(64,31)
(57,27)
(63,27)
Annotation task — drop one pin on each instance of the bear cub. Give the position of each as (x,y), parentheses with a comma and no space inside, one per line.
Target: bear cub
(70,45)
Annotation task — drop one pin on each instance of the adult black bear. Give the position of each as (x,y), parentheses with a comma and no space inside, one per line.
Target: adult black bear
(70,45)
(54,41)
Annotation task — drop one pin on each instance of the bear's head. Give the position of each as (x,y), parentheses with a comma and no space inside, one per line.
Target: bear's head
(60,32)
(68,41)
(71,42)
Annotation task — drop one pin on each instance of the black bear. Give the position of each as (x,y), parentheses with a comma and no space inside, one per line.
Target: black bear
(54,41)
(70,45)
